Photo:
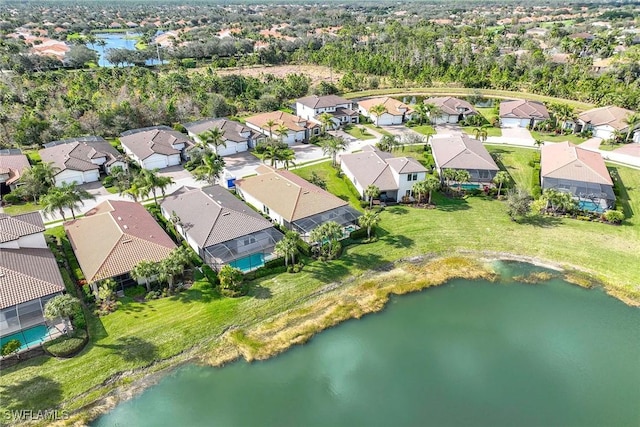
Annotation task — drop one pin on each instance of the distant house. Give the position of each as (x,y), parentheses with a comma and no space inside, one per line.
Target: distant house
(582,173)
(395,112)
(221,228)
(605,121)
(236,136)
(81,160)
(464,153)
(13,164)
(29,278)
(452,110)
(127,235)
(394,176)
(156,147)
(298,128)
(520,113)
(294,202)
(341,110)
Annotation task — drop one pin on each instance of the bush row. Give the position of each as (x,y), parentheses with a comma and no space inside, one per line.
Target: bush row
(67,346)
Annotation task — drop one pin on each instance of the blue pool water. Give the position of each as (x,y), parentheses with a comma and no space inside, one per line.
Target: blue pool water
(248,263)
(28,337)
(468,186)
(588,205)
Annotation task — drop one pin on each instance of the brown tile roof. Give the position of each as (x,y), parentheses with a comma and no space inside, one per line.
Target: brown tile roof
(27,274)
(231,130)
(16,164)
(392,105)
(158,139)
(461,152)
(290,121)
(326,101)
(450,105)
(77,153)
(612,116)
(212,215)
(127,234)
(567,161)
(14,227)
(290,196)
(374,167)
(522,109)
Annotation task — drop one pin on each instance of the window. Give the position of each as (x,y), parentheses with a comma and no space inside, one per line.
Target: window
(408,193)
(483,173)
(249,241)
(412,177)
(265,209)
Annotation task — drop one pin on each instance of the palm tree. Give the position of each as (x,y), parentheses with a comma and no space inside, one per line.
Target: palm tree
(282,131)
(331,146)
(432,111)
(388,143)
(420,111)
(212,137)
(270,124)
(75,194)
(211,168)
(326,121)
(431,184)
(369,220)
(327,235)
(371,192)
(286,156)
(134,191)
(288,247)
(500,179)
(419,190)
(481,133)
(38,180)
(148,181)
(377,110)
(449,175)
(62,306)
(144,270)
(174,264)
(462,176)
(632,120)
(54,200)
(538,143)
(271,153)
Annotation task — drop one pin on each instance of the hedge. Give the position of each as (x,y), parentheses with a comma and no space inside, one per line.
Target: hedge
(211,275)
(73,261)
(304,248)
(67,346)
(278,262)
(360,233)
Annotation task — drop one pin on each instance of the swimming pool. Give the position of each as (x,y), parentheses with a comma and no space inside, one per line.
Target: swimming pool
(29,337)
(248,263)
(588,205)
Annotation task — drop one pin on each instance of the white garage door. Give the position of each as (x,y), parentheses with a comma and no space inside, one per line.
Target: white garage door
(155,163)
(510,122)
(92,176)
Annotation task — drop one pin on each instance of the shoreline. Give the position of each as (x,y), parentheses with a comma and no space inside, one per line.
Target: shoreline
(350,298)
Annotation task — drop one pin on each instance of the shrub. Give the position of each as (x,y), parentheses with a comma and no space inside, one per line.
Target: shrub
(67,346)
(136,291)
(304,248)
(87,293)
(13,198)
(78,320)
(263,272)
(278,262)
(108,181)
(211,275)
(614,216)
(11,347)
(152,295)
(360,233)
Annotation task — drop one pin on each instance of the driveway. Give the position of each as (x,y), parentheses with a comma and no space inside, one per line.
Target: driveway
(446,130)
(513,136)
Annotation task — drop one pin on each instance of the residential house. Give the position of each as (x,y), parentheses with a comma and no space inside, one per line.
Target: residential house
(29,277)
(582,173)
(604,122)
(113,238)
(340,109)
(452,110)
(521,113)
(395,112)
(297,128)
(12,165)
(394,176)
(156,147)
(221,228)
(81,160)
(236,137)
(464,153)
(293,202)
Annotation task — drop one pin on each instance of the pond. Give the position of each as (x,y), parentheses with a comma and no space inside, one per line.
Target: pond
(469,353)
(116,41)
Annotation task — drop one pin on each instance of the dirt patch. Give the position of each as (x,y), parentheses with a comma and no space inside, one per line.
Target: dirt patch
(317,73)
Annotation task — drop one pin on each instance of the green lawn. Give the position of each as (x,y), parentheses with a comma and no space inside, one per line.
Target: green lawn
(606,146)
(189,324)
(33,155)
(487,112)
(21,208)
(377,129)
(424,129)
(340,186)
(491,131)
(358,131)
(574,139)
(515,160)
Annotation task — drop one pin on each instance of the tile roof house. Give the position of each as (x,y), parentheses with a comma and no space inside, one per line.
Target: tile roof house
(298,129)
(236,136)
(452,110)
(521,113)
(221,228)
(568,168)
(81,160)
(12,165)
(605,121)
(394,176)
(155,147)
(29,277)
(292,201)
(395,113)
(464,153)
(341,110)
(127,234)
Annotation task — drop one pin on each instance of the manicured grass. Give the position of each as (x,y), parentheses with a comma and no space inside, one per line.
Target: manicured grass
(112,190)
(22,208)
(358,131)
(424,129)
(574,139)
(33,155)
(515,160)
(491,131)
(487,112)
(377,129)
(340,186)
(606,146)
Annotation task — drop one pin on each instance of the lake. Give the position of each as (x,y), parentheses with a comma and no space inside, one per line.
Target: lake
(468,353)
(116,41)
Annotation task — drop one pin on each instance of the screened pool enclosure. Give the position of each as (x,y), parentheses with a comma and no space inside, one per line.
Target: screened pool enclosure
(343,215)
(246,253)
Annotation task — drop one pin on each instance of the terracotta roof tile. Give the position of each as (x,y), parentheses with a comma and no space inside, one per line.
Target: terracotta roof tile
(567,161)
(461,152)
(522,109)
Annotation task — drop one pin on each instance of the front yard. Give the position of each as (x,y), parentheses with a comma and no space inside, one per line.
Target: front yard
(358,131)
(552,137)
(491,131)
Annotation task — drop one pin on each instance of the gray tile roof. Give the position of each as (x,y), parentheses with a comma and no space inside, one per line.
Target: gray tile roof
(461,152)
(14,227)
(27,274)
(77,153)
(231,130)
(326,101)
(452,106)
(213,215)
(16,164)
(611,115)
(522,109)
(145,142)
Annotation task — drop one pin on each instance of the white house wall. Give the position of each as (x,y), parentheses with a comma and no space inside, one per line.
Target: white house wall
(160,161)
(353,179)
(69,176)
(31,241)
(404,185)
(123,165)
(604,132)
